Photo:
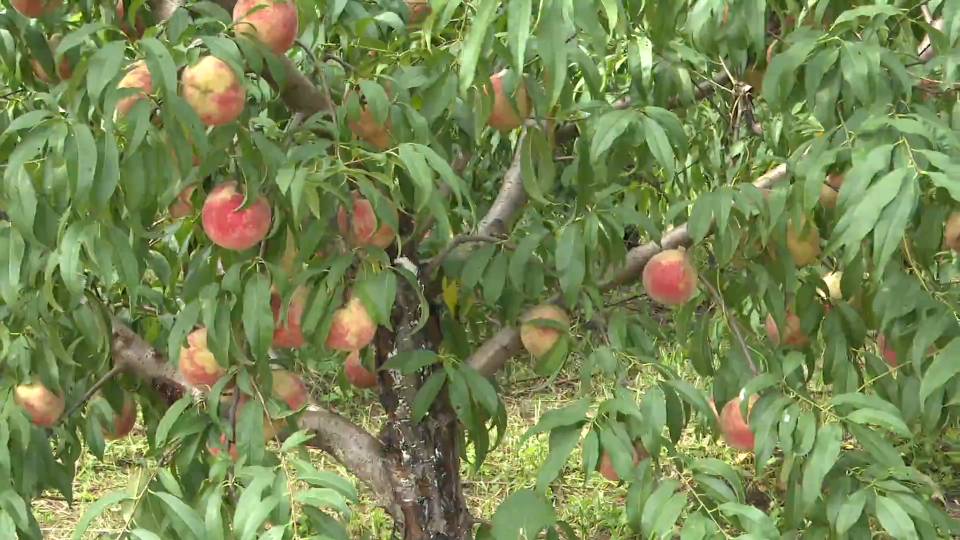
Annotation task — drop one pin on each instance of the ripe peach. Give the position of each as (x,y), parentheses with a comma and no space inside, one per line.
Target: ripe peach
(362,226)
(134,33)
(419,9)
(275,25)
(804,245)
(35,8)
(669,277)
(216,449)
(230,227)
(503,115)
(830,190)
(64,70)
(793,337)
(366,127)
(181,206)
(289,387)
(890,356)
(137,77)
(358,375)
(538,340)
(352,328)
(606,464)
(214,90)
(43,406)
(951,232)
(122,423)
(197,364)
(735,430)
(288,333)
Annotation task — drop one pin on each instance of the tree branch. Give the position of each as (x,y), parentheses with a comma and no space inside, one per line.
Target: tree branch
(509,200)
(360,452)
(114,371)
(491,356)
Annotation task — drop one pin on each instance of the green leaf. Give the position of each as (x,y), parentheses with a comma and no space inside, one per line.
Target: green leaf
(573,413)
(518,262)
(296,439)
(883,419)
(71,267)
(562,442)
(309,474)
(850,511)
(494,279)
(323,498)
(826,451)
(182,511)
(170,418)
(481,389)
(86,161)
(421,173)
(144,534)
(659,145)
(410,361)
(104,65)
(97,508)
(867,11)
(518,30)
(895,519)
(609,128)
(525,512)
(943,369)
(427,393)
(213,519)
(377,101)
(655,506)
(470,51)
(163,70)
(257,315)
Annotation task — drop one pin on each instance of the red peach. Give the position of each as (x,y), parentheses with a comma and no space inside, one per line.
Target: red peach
(669,278)
(137,77)
(122,423)
(289,387)
(216,449)
(890,355)
(606,464)
(134,33)
(363,224)
(538,340)
(35,8)
(358,375)
(735,430)
(804,244)
(794,336)
(64,70)
(181,206)
(275,25)
(951,232)
(503,115)
(419,9)
(197,364)
(288,333)
(214,90)
(352,328)
(230,227)
(43,406)
(366,127)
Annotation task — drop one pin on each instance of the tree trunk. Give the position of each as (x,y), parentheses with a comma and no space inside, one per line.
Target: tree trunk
(426,455)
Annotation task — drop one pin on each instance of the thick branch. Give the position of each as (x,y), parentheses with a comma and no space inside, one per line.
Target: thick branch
(360,452)
(510,199)
(491,356)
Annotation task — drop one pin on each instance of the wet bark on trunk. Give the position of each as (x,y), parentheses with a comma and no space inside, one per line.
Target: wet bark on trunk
(425,455)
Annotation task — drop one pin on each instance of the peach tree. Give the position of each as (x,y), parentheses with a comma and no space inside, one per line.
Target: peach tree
(207,205)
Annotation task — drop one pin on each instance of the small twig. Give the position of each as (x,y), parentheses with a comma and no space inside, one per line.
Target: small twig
(459,240)
(114,371)
(346,65)
(232,414)
(734,326)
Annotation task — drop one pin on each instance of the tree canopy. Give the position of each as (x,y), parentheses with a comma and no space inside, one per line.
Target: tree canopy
(210,206)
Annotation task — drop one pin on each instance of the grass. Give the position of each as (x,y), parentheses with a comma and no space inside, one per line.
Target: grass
(595,508)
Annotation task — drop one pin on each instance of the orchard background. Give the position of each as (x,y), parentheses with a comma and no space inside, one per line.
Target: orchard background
(495,269)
